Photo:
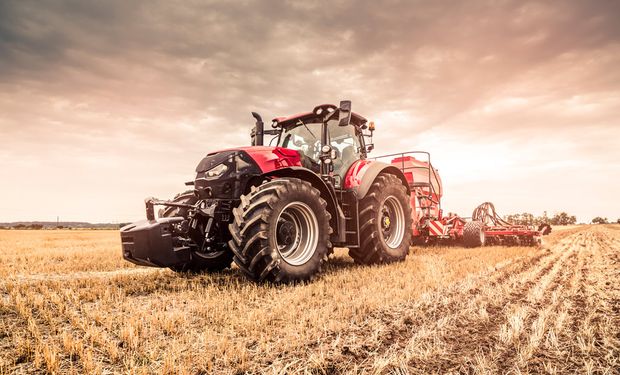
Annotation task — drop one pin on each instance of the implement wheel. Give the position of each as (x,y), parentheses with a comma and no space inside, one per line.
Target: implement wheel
(280,231)
(210,262)
(473,234)
(385,223)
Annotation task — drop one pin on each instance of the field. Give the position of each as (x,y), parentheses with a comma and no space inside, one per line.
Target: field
(70,304)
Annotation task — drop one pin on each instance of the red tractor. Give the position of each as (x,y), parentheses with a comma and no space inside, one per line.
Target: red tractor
(278,211)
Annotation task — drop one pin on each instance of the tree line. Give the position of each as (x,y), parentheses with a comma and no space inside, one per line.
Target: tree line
(603,220)
(526,218)
(561,218)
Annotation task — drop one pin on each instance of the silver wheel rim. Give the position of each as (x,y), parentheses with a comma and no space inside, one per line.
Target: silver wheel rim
(392,222)
(297,231)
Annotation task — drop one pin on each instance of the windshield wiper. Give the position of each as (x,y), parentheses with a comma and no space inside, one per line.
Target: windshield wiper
(308,129)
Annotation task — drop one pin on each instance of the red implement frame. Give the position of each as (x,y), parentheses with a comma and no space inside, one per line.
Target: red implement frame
(430,225)
(500,232)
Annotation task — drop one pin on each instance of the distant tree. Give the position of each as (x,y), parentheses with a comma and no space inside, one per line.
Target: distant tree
(600,220)
(35,226)
(19,226)
(563,218)
(618,221)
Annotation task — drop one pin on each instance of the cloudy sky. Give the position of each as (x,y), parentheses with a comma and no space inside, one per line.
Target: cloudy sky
(103,103)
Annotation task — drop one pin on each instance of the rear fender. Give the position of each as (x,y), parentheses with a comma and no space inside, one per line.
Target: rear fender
(362,174)
(337,221)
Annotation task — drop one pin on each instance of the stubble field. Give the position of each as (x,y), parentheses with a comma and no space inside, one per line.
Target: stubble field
(70,304)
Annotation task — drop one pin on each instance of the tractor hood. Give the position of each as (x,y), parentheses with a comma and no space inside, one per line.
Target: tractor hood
(224,174)
(266,158)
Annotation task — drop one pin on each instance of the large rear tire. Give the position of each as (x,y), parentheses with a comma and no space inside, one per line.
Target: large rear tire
(280,231)
(385,223)
(209,262)
(473,234)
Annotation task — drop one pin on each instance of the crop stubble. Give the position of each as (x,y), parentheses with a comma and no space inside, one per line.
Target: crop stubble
(445,310)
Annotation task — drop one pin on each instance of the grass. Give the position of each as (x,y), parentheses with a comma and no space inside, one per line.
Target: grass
(70,304)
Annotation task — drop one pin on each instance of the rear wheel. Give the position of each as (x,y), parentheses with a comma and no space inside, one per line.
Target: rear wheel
(212,261)
(280,231)
(473,234)
(385,223)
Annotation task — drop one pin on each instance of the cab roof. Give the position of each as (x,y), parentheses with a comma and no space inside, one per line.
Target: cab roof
(310,117)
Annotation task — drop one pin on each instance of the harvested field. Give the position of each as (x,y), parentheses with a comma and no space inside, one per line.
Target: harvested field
(68,303)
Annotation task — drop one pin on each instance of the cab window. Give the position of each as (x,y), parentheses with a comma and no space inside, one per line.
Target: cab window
(346,143)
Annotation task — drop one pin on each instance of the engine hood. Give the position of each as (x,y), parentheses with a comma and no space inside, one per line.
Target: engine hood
(267,158)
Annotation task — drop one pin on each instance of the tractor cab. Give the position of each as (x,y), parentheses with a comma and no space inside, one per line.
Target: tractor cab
(329,139)
(346,143)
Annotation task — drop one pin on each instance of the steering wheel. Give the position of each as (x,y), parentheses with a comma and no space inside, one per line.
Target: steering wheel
(323,109)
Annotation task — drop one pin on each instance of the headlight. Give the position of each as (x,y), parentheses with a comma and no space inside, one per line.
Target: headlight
(217,171)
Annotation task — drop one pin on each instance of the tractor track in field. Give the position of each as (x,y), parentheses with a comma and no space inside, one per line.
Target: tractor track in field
(542,301)
(521,336)
(505,313)
(421,320)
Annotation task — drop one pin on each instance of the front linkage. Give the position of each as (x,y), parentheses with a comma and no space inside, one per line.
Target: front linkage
(185,232)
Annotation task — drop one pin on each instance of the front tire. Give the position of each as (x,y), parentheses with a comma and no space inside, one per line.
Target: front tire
(385,223)
(209,262)
(280,231)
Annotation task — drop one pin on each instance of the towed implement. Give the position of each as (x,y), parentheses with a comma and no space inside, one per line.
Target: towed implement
(278,211)
(431,226)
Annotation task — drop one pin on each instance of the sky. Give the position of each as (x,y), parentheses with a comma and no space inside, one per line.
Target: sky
(104,103)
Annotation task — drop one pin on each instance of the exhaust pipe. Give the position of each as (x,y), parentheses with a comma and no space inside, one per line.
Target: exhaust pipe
(257,132)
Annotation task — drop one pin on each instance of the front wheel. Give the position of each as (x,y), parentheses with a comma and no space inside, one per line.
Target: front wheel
(280,231)
(385,223)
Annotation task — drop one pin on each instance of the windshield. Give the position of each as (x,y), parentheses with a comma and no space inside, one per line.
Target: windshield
(306,138)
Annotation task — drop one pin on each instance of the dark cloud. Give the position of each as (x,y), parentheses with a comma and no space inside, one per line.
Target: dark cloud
(111,82)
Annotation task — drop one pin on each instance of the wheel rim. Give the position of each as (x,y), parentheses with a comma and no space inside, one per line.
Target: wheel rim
(392,222)
(297,233)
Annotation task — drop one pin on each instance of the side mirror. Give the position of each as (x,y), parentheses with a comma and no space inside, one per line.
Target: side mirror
(344,113)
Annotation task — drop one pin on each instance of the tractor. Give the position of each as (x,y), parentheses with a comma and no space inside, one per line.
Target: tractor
(278,211)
